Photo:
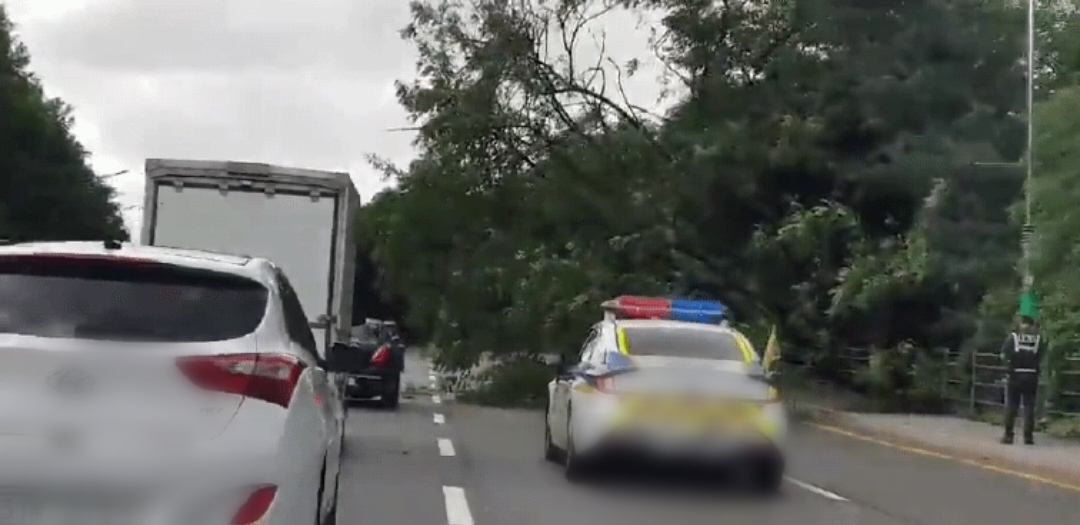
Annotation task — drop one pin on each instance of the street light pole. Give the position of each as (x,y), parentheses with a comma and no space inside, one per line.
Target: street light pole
(111,175)
(1029,159)
(1028,162)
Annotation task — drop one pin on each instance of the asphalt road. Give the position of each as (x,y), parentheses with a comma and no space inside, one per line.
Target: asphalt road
(481,466)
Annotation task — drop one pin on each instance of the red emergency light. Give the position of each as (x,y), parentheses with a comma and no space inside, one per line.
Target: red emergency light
(633,307)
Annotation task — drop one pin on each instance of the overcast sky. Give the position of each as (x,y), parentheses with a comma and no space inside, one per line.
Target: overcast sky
(305,83)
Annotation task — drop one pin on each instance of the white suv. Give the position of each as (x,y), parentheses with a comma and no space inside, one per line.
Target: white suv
(150,386)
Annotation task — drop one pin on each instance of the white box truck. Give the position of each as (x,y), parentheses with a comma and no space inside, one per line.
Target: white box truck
(301,220)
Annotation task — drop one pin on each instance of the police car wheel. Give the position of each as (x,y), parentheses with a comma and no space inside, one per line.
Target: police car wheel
(767,479)
(576,468)
(551,452)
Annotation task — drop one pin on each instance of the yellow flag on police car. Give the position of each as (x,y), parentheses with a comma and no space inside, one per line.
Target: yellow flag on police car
(772,351)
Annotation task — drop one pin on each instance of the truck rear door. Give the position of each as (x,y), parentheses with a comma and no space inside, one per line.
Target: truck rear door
(293,229)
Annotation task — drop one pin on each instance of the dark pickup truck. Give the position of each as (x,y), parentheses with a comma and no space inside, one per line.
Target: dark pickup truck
(372,363)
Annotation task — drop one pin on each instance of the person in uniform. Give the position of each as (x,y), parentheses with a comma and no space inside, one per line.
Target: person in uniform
(1023,351)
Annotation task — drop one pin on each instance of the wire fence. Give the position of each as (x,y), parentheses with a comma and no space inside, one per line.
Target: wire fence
(976,382)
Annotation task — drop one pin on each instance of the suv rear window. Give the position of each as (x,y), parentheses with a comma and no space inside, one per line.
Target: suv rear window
(115,300)
(675,342)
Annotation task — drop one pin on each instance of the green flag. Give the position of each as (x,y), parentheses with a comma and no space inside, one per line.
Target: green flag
(1029,305)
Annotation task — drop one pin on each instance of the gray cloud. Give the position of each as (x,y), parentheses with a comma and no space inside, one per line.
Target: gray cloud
(307,83)
(318,118)
(233,35)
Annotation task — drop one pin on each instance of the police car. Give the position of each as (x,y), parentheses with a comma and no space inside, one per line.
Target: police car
(666,379)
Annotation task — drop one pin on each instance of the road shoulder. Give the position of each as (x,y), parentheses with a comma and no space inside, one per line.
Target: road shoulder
(1050,462)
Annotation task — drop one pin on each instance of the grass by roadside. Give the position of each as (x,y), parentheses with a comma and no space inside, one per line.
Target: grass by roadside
(1061,428)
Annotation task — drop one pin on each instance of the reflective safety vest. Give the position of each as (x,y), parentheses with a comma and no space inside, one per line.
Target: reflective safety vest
(1025,356)
(1026,342)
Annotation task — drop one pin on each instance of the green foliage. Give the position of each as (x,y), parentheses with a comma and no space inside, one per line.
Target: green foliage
(816,170)
(1056,190)
(1054,252)
(47,191)
(1065,428)
(520,382)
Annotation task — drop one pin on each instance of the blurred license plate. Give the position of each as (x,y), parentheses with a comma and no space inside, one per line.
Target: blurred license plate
(19,509)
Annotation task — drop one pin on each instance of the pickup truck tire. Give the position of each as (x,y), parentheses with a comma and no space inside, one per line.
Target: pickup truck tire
(392,393)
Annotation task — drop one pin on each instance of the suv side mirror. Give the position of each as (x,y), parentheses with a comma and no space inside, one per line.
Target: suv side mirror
(334,355)
(562,367)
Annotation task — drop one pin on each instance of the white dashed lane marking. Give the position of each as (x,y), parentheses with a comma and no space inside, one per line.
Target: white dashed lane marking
(816,490)
(446,447)
(457,507)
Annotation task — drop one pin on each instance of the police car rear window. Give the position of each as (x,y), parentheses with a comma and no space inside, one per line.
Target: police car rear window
(668,342)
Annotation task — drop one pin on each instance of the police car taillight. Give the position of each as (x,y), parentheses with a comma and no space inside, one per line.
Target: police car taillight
(773,396)
(687,310)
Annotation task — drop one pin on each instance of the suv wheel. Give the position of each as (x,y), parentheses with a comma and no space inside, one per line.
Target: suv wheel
(331,517)
(319,495)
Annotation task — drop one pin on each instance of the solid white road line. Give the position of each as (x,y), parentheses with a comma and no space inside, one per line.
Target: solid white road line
(816,490)
(440,419)
(436,399)
(446,447)
(457,507)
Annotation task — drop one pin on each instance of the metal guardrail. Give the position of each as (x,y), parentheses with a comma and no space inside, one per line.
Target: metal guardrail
(977,381)
(983,376)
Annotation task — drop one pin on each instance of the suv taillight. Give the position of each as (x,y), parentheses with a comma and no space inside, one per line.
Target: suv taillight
(269,377)
(256,506)
(381,356)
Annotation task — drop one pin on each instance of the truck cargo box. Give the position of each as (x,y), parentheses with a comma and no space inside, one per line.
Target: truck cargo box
(302,220)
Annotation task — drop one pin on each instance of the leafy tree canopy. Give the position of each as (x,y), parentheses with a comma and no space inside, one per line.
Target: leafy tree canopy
(817,168)
(47,190)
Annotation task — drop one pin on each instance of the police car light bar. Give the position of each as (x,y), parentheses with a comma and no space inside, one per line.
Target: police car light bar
(687,310)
